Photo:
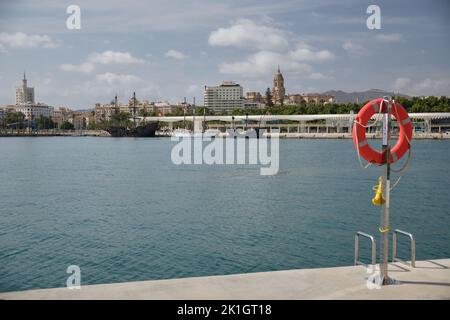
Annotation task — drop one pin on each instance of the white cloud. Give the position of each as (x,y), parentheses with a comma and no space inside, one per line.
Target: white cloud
(392,37)
(111,57)
(83,67)
(319,76)
(433,87)
(247,34)
(193,88)
(104,58)
(271,46)
(306,54)
(264,62)
(424,87)
(112,78)
(23,40)
(424,84)
(353,48)
(401,83)
(176,55)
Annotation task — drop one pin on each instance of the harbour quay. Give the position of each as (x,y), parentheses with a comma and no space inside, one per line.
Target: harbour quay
(429,279)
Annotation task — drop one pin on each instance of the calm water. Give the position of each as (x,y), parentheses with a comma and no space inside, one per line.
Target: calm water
(122,211)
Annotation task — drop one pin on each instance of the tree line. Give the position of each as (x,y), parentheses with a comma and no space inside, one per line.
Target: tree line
(414,105)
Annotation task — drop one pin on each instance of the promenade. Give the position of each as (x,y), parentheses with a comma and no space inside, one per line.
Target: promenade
(53,133)
(429,280)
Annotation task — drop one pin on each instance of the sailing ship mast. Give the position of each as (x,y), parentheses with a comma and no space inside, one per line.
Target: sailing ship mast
(184,114)
(134,108)
(193,118)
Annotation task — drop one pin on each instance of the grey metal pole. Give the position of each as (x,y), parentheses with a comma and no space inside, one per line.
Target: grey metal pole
(385,231)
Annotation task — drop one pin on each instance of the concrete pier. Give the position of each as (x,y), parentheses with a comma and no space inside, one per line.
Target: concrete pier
(429,280)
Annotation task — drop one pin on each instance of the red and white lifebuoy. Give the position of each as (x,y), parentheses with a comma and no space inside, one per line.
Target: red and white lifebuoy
(359,132)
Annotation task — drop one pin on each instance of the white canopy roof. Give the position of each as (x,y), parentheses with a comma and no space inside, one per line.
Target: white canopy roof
(305,117)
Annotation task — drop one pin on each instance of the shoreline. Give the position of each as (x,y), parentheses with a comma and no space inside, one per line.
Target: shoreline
(282,135)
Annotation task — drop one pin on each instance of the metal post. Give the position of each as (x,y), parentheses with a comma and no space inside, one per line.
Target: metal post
(246,121)
(204,120)
(386,134)
(394,246)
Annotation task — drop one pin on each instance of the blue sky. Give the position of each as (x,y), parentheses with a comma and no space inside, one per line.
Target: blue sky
(166,50)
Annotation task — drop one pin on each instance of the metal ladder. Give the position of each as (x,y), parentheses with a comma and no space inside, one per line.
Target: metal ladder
(394,247)
(413,247)
(374,247)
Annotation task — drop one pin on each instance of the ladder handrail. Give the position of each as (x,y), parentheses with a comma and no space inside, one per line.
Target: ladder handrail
(394,247)
(374,247)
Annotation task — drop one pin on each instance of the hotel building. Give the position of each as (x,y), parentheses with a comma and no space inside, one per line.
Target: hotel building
(225,97)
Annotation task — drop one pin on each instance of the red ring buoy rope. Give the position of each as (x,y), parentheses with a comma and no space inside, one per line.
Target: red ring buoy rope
(359,132)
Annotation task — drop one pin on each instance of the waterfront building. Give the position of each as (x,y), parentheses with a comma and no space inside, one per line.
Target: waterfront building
(279,96)
(81,119)
(278,90)
(225,97)
(254,104)
(103,112)
(254,96)
(295,99)
(184,106)
(8,108)
(318,98)
(163,107)
(60,115)
(34,111)
(24,94)
(26,104)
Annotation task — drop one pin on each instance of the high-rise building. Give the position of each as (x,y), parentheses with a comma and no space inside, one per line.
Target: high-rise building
(225,97)
(278,90)
(25,103)
(24,94)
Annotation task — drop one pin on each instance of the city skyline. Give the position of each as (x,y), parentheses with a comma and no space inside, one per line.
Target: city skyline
(170,50)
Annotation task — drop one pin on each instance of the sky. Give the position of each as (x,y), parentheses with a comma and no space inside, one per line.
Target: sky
(171,49)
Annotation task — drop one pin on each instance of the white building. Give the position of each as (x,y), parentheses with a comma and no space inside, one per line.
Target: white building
(254,105)
(34,111)
(225,97)
(24,94)
(26,104)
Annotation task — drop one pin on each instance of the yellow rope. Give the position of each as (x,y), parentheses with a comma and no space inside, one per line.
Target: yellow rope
(383,230)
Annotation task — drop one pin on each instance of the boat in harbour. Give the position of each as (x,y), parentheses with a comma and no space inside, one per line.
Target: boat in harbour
(143,130)
(147,130)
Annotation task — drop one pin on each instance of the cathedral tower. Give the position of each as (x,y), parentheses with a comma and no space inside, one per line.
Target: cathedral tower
(278,91)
